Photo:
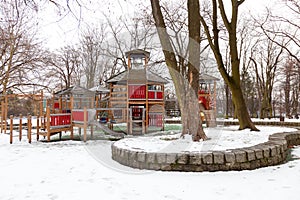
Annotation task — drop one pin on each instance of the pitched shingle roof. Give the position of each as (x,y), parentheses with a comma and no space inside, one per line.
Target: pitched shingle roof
(137,76)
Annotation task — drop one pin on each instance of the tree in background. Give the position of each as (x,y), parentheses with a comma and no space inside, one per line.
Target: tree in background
(91,52)
(65,68)
(21,55)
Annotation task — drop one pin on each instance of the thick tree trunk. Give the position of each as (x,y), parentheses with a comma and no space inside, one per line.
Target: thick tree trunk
(188,104)
(241,110)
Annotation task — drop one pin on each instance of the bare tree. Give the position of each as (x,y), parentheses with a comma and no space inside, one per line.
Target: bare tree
(266,59)
(92,55)
(21,56)
(66,68)
(186,90)
(233,80)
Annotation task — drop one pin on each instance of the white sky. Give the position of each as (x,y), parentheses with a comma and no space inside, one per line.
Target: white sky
(57,31)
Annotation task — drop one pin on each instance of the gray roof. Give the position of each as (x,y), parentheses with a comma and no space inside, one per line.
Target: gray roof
(137,76)
(99,89)
(75,90)
(138,52)
(205,78)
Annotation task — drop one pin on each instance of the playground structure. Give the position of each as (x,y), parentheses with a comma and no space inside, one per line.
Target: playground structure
(207,96)
(134,99)
(137,95)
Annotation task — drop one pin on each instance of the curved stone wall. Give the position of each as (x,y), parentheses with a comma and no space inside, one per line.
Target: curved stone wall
(273,152)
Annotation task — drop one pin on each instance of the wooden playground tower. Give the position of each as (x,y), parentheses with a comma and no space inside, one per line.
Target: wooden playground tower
(207,99)
(137,95)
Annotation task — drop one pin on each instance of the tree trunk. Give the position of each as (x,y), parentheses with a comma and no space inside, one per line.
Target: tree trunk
(241,110)
(190,116)
(194,69)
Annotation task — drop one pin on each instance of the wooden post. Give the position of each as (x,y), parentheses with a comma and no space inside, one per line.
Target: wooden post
(48,123)
(143,121)
(72,134)
(85,118)
(11,129)
(37,128)
(5,113)
(60,104)
(163,107)
(41,103)
(29,126)
(20,128)
(146,122)
(2,116)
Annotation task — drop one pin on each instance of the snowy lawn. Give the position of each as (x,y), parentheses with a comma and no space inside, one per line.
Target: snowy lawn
(77,170)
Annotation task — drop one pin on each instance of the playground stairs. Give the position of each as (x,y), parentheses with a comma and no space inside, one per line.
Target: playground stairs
(137,128)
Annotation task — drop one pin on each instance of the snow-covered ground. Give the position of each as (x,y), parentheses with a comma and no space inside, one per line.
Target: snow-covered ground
(77,170)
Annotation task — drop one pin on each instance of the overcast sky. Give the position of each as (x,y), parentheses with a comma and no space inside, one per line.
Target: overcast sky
(58,31)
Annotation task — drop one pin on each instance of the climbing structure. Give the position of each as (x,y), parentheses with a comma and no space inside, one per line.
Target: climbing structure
(207,99)
(137,95)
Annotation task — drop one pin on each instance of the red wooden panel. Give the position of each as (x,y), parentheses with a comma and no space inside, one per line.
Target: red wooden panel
(56,105)
(159,120)
(137,91)
(156,119)
(59,120)
(78,115)
(151,95)
(159,95)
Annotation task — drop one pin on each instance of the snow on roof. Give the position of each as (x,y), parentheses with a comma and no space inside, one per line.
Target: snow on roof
(99,89)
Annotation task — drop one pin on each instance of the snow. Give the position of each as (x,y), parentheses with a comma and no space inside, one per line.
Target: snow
(78,170)
(221,138)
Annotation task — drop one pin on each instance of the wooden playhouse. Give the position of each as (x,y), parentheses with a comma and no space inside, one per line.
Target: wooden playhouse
(137,95)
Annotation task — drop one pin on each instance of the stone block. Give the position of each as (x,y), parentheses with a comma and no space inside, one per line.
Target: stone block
(213,168)
(218,157)
(171,158)
(132,155)
(176,167)
(161,158)
(141,156)
(166,167)
(264,162)
(154,166)
(250,154)
(199,168)
(183,158)
(273,150)
(235,166)
(254,164)
(245,166)
(150,158)
(229,157)
(265,148)
(195,159)
(207,158)
(240,155)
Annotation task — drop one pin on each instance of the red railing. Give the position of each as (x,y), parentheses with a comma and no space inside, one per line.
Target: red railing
(137,91)
(78,115)
(155,119)
(155,95)
(60,119)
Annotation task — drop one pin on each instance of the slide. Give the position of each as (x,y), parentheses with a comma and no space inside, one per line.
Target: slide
(107,130)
